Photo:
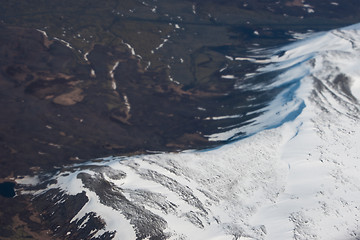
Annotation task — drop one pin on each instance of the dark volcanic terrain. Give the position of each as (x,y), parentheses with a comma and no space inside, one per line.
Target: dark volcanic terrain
(90,79)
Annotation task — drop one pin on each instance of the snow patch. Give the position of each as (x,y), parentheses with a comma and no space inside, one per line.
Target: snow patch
(64,42)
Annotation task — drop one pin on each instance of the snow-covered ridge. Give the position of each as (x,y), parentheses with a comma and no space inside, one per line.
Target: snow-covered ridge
(294,177)
(292,64)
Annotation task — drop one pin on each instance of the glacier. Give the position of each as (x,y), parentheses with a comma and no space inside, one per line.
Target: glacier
(296,175)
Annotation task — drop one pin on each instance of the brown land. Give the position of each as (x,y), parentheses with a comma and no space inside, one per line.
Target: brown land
(56,108)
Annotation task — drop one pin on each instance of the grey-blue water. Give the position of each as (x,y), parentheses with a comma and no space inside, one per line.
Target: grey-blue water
(7,189)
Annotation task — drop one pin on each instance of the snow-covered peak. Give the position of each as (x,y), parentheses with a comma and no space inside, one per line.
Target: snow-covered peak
(289,69)
(294,177)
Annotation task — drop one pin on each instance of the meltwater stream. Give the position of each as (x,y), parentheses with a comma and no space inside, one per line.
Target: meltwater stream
(294,177)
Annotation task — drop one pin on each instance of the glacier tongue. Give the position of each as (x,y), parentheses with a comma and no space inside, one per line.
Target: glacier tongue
(294,177)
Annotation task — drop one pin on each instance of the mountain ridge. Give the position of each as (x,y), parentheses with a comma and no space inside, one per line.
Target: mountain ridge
(292,178)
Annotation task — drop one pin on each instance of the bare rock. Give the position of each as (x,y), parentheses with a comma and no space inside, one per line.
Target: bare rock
(70,98)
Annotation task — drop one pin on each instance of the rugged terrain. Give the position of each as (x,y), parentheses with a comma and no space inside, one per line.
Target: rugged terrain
(86,80)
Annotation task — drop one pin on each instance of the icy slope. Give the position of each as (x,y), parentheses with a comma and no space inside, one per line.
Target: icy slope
(295,177)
